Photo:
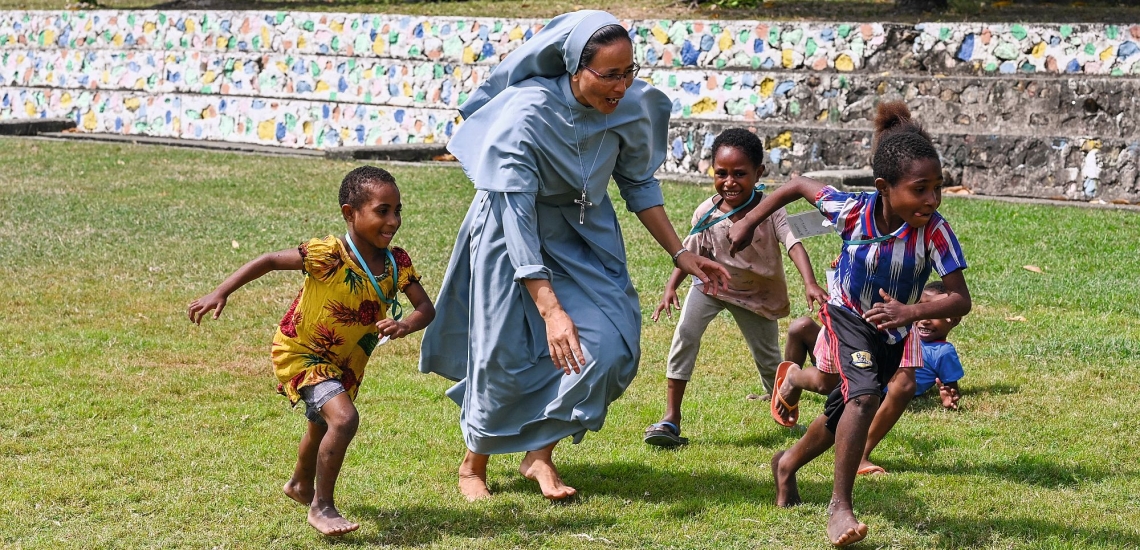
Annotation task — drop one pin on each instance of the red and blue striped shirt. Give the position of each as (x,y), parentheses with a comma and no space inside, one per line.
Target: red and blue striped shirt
(899,263)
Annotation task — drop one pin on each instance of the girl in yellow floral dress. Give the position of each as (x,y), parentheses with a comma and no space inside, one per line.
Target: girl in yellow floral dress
(346,308)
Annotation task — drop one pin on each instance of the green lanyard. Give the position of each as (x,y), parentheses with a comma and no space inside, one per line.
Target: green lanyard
(704,223)
(393,303)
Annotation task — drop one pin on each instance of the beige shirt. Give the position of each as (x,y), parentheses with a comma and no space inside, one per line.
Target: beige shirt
(757,282)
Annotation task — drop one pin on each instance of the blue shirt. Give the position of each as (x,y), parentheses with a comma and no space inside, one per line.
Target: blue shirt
(939,360)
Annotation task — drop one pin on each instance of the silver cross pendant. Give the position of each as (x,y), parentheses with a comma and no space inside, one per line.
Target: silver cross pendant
(584,203)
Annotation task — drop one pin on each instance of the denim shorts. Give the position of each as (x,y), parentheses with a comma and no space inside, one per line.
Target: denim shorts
(317,395)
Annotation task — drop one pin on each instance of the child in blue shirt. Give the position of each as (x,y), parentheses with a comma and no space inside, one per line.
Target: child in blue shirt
(940,363)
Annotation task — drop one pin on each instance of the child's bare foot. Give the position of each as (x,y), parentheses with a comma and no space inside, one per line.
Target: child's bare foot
(329,522)
(300,492)
(473,477)
(868,468)
(787,490)
(844,529)
(537,466)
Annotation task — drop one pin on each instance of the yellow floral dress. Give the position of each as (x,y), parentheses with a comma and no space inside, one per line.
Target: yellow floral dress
(330,330)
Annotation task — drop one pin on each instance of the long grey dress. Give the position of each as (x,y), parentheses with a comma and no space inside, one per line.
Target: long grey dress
(524,224)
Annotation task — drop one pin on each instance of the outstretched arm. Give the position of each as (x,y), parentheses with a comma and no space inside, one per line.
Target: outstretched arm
(796,188)
(713,275)
(282,260)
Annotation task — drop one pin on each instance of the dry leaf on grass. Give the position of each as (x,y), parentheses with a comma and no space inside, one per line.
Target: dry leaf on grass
(1033,268)
(1017,318)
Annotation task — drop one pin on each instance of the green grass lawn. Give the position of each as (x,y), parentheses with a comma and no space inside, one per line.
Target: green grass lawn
(124,426)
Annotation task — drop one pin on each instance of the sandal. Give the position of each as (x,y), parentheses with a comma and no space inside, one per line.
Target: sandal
(665,434)
(793,409)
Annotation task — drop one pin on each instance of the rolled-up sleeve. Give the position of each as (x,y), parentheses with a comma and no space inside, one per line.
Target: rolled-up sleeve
(520,229)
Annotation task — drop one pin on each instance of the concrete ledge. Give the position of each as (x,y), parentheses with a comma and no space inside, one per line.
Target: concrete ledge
(406,152)
(187,143)
(33,126)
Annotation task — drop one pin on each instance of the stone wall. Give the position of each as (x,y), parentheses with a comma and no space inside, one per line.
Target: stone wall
(1041,110)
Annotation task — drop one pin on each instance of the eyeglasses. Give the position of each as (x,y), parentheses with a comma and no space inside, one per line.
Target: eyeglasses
(627,76)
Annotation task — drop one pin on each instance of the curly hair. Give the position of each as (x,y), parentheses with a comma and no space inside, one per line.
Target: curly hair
(352,187)
(935,287)
(604,36)
(741,139)
(898,142)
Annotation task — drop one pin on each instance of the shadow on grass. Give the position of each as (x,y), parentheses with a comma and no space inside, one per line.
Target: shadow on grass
(426,525)
(686,493)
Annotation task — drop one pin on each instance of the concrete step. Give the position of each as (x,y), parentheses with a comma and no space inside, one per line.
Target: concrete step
(33,126)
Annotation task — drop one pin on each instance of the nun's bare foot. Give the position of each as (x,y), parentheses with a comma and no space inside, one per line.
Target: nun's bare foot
(329,522)
(473,477)
(787,490)
(300,492)
(843,529)
(539,466)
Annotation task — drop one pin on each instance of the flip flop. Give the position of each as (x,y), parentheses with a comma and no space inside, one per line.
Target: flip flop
(871,470)
(665,434)
(781,374)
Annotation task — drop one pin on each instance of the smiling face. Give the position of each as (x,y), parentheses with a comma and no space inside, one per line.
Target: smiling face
(378,218)
(593,90)
(934,330)
(916,196)
(734,175)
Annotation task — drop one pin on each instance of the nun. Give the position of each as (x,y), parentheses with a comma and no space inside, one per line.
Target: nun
(538,322)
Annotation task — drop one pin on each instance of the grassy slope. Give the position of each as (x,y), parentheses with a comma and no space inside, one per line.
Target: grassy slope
(122,425)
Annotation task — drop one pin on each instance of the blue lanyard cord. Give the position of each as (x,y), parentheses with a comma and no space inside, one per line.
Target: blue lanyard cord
(868,241)
(393,303)
(703,223)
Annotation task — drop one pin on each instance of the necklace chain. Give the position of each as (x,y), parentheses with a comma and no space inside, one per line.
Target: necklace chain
(584,201)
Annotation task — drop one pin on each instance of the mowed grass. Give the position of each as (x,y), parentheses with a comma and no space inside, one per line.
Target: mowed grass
(124,426)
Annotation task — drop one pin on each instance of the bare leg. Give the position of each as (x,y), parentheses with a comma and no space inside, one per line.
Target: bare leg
(785,464)
(539,466)
(900,392)
(342,418)
(673,397)
(802,333)
(473,476)
(850,440)
(300,487)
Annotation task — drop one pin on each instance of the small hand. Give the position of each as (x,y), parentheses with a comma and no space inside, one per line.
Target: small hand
(713,276)
(890,313)
(393,329)
(201,306)
(669,301)
(815,294)
(562,338)
(949,395)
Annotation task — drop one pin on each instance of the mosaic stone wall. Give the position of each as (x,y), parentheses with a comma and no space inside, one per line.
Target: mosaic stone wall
(320,80)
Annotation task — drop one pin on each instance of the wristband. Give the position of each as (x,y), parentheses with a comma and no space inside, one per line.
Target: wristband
(677,254)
